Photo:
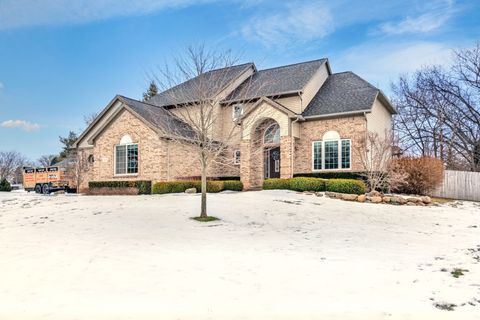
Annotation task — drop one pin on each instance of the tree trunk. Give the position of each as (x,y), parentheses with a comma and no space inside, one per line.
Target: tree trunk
(203,212)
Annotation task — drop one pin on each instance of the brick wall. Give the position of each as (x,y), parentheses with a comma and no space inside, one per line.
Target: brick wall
(348,127)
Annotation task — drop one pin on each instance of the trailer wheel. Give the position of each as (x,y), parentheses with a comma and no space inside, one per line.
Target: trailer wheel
(38,188)
(45,189)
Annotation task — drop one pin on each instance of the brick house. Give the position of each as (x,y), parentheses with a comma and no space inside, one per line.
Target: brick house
(306,119)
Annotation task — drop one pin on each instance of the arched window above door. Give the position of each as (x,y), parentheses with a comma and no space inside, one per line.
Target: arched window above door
(272,134)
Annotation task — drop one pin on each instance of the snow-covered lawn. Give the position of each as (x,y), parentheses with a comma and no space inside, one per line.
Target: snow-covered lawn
(274,255)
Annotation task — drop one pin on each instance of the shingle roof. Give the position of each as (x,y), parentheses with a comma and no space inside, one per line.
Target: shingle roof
(208,84)
(342,92)
(276,81)
(160,118)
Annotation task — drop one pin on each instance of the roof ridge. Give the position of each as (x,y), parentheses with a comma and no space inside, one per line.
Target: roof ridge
(232,66)
(142,102)
(293,64)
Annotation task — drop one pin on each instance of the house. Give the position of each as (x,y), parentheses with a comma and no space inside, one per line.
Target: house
(306,119)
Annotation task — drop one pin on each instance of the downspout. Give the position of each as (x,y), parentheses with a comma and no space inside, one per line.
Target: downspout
(168,160)
(292,147)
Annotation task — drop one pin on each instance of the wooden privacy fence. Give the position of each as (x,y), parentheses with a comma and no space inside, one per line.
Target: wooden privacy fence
(463,185)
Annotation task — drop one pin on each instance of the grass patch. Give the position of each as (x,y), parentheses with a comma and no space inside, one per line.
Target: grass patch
(457,272)
(205,219)
(445,306)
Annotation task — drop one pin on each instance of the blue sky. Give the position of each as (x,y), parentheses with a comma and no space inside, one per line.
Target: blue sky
(61,59)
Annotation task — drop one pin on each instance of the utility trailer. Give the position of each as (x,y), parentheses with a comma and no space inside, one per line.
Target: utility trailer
(45,179)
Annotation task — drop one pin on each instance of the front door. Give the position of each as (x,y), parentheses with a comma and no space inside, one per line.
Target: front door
(272,163)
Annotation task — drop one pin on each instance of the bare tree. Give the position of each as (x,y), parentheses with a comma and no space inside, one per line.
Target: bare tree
(196,109)
(439,111)
(46,160)
(77,165)
(10,162)
(89,118)
(374,152)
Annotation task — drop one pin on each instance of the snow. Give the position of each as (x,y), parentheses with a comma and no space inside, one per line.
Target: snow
(274,255)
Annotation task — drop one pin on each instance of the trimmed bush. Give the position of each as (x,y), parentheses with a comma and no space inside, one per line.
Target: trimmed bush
(144,187)
(296,184)
(107,191)
(346,186)
(181,186)
(5,185)
(234,185)
(280,184)
(307,184)
(332,175)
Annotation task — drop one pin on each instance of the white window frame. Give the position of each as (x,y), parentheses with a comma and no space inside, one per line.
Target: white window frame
(236,116)
(115,174)
(235,161)
(322,142)
(279,134)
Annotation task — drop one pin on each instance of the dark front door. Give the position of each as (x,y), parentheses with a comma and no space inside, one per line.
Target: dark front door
(272,163)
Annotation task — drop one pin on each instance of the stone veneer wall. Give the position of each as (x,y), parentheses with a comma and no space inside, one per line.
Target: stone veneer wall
(353,128)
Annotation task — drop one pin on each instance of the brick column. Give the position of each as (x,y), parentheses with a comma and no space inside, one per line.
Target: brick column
(286,154)
(245,165)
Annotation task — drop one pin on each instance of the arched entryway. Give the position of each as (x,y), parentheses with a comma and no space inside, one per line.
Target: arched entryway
(271,151)
(264,152)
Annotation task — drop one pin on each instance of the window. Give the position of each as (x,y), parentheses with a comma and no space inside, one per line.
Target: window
(317,155)
(236,157)
(91,159)
(272,134)
(237,111)
(126,159)
(345,154)
(331,154)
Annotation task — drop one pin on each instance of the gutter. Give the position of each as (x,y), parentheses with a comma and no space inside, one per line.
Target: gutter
(357,112)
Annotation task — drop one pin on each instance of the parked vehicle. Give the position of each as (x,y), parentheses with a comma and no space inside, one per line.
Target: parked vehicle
(45,179)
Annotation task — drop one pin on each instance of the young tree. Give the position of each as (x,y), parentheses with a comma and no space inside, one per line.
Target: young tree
(198,105)
(374,152)
(47,160)
(10,162)
(151,91)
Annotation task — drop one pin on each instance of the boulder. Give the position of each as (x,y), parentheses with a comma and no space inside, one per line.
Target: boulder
(191,190)
(376,199)
(361,198)
(386,199)
(426,199)
(414,200)
(332,194)
(375,193)
(349,197)
(319,194)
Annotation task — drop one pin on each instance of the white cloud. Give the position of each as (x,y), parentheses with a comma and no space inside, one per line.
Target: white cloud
(435,17)
(382,63)
(24,13)
(295,23)
(22,124)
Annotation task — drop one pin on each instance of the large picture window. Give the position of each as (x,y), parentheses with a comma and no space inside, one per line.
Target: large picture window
(126,159)
(331,154)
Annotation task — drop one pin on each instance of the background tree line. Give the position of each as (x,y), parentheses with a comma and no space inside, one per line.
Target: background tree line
(439,111)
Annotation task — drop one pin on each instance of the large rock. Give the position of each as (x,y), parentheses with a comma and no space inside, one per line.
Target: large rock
(375,193)
(191,190)
(376,199)
(386,199)
(361,198)
(349,197)
(414,200)
(332,194)
(426,199)
(319,194)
